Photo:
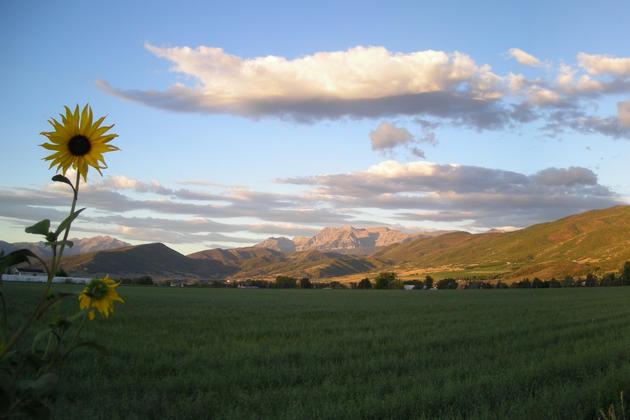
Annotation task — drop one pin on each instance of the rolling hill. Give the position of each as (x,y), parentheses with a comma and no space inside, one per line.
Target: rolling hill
(595,241)
(80,246)
(313,264)
(344,239)
(156,260)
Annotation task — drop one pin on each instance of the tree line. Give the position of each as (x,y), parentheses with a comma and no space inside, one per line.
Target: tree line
(390,280)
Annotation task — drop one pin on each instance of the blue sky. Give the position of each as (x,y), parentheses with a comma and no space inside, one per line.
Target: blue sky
(276,169)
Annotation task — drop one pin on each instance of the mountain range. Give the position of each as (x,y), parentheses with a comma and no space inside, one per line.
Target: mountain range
(346,239)
(80,246)
(597,241)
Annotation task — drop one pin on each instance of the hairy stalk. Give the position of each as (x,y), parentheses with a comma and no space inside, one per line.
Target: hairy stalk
(56,261)
(42,306)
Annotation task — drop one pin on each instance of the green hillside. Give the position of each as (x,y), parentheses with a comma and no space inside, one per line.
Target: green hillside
(156,260)
(596,241)
(313,264)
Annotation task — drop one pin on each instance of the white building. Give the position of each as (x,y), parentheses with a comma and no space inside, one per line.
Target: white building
(29,275)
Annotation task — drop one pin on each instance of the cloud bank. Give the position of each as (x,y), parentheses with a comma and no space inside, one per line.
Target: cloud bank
(373,82)
(414,194)
(523,57)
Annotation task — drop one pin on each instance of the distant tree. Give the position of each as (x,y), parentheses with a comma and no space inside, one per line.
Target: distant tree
(554,284)
(386,280)
(591,280)
(608,280)
(337,285)
(537,283)
(428,282)
(217,284)
(447,284)
(524,284)
(568,281)
(625,274)
(61,272)
(286,282)
(305,283)
(364,284)
(144,280)
(501,285)
(263,284)
(417,284)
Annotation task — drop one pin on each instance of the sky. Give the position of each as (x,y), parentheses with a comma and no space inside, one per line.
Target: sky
(238,121)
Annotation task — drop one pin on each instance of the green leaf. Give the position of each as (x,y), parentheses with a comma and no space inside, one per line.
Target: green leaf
(43,386)
(39,337)
(89,344)
(76,317)
(61,178)
(39,228)
(68,221)
(36,410)
(50,238)
(15,258)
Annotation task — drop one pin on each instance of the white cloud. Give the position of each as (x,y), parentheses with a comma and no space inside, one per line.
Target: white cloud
(357,73)
(541,96)
(363,82)
(372,82)
(598,64)
(483,197)
(623,113)
(394,169)
(413,191)
(388,136)
(524,58)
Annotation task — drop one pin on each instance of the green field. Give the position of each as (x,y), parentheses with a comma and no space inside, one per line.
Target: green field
(228,353)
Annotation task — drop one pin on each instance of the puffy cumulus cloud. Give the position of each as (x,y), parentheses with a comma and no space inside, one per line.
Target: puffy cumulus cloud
(357,73)
(481,197)
(373,82)
(541,96)
(560,120)
(566,176)
(413,192)
(623,113)
(523,57)
(175,216)
(362,82)
(598,64)
(387,136)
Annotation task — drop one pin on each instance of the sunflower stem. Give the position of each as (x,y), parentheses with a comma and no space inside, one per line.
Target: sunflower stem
(57,262)
(42,306)
(39,309)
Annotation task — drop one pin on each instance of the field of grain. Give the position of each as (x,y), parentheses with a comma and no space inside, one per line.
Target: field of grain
(228,353)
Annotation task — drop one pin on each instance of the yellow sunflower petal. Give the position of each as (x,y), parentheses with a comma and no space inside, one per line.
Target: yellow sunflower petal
(72,151)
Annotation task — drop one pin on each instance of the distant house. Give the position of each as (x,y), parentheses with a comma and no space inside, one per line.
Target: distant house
(29,272)
(34,275)
(409,286)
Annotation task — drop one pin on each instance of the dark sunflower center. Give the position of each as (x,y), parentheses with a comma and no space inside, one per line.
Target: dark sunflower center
(97,289)
(79,145)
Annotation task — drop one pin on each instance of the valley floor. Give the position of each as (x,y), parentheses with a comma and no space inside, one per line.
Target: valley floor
(228,353)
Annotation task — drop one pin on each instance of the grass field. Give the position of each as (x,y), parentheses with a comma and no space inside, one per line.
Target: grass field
(228,353)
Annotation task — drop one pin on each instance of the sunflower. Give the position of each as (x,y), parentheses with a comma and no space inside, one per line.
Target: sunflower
(99,294)
(78,142)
